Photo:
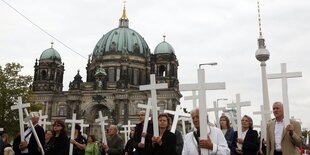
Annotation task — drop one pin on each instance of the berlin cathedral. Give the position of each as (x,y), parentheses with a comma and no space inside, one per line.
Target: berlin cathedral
(121,61)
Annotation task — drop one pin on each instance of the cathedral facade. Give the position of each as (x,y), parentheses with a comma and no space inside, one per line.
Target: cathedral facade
(121,61)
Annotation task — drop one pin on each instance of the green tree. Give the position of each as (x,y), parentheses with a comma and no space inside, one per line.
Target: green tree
(13,85)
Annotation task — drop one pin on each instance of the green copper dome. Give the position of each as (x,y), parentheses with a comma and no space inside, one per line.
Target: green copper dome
(164,47)
(50,54)
(122,40)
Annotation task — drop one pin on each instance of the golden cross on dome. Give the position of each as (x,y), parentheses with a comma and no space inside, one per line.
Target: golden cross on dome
(124,3)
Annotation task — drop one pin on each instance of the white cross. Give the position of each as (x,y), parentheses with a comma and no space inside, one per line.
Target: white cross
(20,105)
(263,114)
(178,112)
(28,119)
(183,119)
(147,108)
(201,86)
(284,76)
(101,121)
(232,119)
(44,122)
(216,110)
(194,98)
(127,130)
(83,126)
(238,106)
(153,86)
(1,129)
(73,121)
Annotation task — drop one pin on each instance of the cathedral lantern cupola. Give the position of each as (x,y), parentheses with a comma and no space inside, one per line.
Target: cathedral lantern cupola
(48,72)
(165,64)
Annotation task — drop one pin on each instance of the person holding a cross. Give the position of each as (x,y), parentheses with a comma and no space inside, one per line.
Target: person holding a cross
(140,147)
(79,142)
(247,143)
(216,142)
(165,143)
(30,145)
(281,139)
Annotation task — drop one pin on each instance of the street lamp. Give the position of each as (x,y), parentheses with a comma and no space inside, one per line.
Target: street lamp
(262,55)
(211,64)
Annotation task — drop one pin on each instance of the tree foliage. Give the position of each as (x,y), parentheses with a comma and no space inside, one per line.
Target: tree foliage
(13,85)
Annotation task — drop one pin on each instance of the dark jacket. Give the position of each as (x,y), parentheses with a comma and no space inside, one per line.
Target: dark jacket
(58,145)
(229,136)
(168,146)
(33,147)
(250,144)
(137,137)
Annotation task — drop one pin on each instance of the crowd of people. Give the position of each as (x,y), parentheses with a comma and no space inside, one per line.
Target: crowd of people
(222,140)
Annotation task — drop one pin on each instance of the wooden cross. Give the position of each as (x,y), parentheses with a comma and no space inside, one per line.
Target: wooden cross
(184,119)
(83,126)
(101,121)
(232,118)
(20,105)
(28,119)
(216,110)
(201,86)
(194,98)
(127,130)
(263,123)
(153,87)
(73,121)
(178,112)
(147,108)
(238,106)
(44,122)
(284,76)
(263,114)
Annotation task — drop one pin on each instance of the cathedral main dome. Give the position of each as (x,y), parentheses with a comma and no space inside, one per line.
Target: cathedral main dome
(122,40)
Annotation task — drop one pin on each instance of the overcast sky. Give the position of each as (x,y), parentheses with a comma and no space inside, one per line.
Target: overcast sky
(201,31)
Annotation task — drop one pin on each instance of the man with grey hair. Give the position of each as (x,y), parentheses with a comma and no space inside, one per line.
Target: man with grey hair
(216,142)
(282,140)
(30,145)
(115,143)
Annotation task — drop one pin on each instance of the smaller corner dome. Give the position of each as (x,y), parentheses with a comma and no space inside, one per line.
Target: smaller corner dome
(50,54)
(164,48)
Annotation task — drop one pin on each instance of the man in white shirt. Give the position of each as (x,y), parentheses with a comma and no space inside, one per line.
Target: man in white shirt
(216,142)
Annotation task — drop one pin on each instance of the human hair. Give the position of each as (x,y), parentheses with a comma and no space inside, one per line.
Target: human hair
(93,137)
(168,119)
(277,103)
(6,136)
(114,127)
(196,110)
(62,123)
(227,121)
(250,121)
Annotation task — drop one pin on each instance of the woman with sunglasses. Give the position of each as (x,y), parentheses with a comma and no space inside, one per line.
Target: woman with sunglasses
(59,143)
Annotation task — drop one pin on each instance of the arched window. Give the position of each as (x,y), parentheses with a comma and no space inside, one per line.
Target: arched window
(162,70)
(43,75)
